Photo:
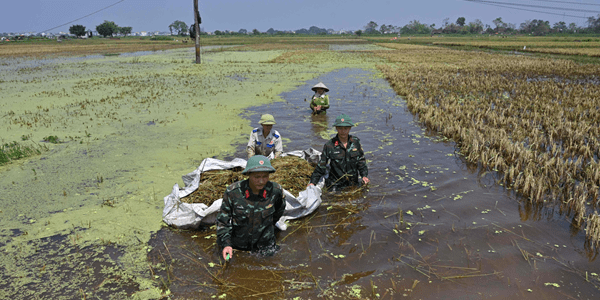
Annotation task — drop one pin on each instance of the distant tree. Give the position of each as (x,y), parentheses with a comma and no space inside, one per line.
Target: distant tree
(243,31)
(255,31)
(371,27)
(383,29)
(594,24)
(358,32)
(219,32)
(316,30)
(416,27)
(460,21)
(108,28)
(499,23)
(573,28)
(535,27)
(475,26)
(178,26)
(78,30)
(560,27)
(445,22)
(271,31)
(125,30)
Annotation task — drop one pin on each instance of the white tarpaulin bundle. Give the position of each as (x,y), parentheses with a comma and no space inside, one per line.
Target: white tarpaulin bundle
(191,215)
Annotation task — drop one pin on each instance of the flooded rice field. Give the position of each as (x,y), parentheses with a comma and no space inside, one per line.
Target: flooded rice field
(429,227)
(83,219)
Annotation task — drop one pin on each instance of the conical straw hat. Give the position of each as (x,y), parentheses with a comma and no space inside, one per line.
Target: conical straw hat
(320,85)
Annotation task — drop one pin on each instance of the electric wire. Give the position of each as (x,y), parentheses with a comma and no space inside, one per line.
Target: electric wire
(524,9)
(84,16)
(536,6)
(567,2)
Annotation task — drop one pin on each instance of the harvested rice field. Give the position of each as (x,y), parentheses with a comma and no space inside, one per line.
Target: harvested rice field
(483,169)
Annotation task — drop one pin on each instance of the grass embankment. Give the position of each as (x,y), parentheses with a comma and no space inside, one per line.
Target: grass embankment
(106,46)
(583,49)
(533,120)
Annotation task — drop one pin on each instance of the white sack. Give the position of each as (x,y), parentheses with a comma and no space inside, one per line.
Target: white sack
(191,215)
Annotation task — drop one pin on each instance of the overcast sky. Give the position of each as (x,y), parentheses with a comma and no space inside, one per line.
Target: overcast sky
(157,15)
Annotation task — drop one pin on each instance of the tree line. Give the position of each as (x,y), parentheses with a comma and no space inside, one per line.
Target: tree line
(108,28)
(534,27)
(460,26)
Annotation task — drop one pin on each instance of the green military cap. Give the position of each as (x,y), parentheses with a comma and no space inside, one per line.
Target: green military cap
(258,163)
(267,119)
(343,120)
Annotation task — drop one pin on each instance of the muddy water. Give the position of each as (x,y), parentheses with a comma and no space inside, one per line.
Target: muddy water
(429,227)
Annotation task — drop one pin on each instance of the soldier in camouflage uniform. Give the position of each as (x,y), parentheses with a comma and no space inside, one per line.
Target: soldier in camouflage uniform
(319,103)
(345,157)
(249,211)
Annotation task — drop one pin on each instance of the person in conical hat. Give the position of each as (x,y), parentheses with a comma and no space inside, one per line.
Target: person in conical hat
(249,211)
(319,102)
(345,157)
(265,140)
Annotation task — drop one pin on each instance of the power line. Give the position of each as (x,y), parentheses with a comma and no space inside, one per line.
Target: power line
(84,16)
(567,2)
(536,6)
(531,10)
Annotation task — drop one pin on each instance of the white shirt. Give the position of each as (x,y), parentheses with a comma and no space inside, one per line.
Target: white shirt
(258,144)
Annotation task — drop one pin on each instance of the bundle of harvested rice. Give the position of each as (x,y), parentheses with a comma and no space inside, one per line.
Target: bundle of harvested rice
(293,174)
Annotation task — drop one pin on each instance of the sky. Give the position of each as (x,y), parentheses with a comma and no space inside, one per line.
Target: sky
(156,15)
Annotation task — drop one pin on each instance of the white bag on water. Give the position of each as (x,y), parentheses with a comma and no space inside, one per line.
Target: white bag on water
(191,215)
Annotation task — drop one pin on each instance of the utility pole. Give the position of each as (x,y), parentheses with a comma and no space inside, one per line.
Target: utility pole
(197,22)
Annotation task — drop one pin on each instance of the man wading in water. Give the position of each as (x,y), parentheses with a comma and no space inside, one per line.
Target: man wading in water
(249,211)
(345,157)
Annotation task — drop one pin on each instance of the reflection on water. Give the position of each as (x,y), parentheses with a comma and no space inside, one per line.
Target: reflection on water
(429,226)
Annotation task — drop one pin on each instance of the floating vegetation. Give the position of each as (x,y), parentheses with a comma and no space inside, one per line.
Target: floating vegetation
(293,173)
(541,136)
(15,150)
(53,139)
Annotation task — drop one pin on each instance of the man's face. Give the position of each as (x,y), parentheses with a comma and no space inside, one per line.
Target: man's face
(320,90)
(267,128)
(343,131)
(258,180)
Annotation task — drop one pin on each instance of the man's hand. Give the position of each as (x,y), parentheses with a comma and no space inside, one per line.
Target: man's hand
(227,250)
(366,180)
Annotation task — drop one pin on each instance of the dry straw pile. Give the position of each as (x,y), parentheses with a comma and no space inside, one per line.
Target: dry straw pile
(293,173)
(534,121)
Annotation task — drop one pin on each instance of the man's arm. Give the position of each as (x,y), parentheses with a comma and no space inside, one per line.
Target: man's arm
(326,105)
(224,223)
(362,162)
(250,150)
(278,146)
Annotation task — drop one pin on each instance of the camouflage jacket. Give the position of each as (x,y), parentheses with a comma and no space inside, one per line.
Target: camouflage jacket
(345,163)
(323,101)
(247,221)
